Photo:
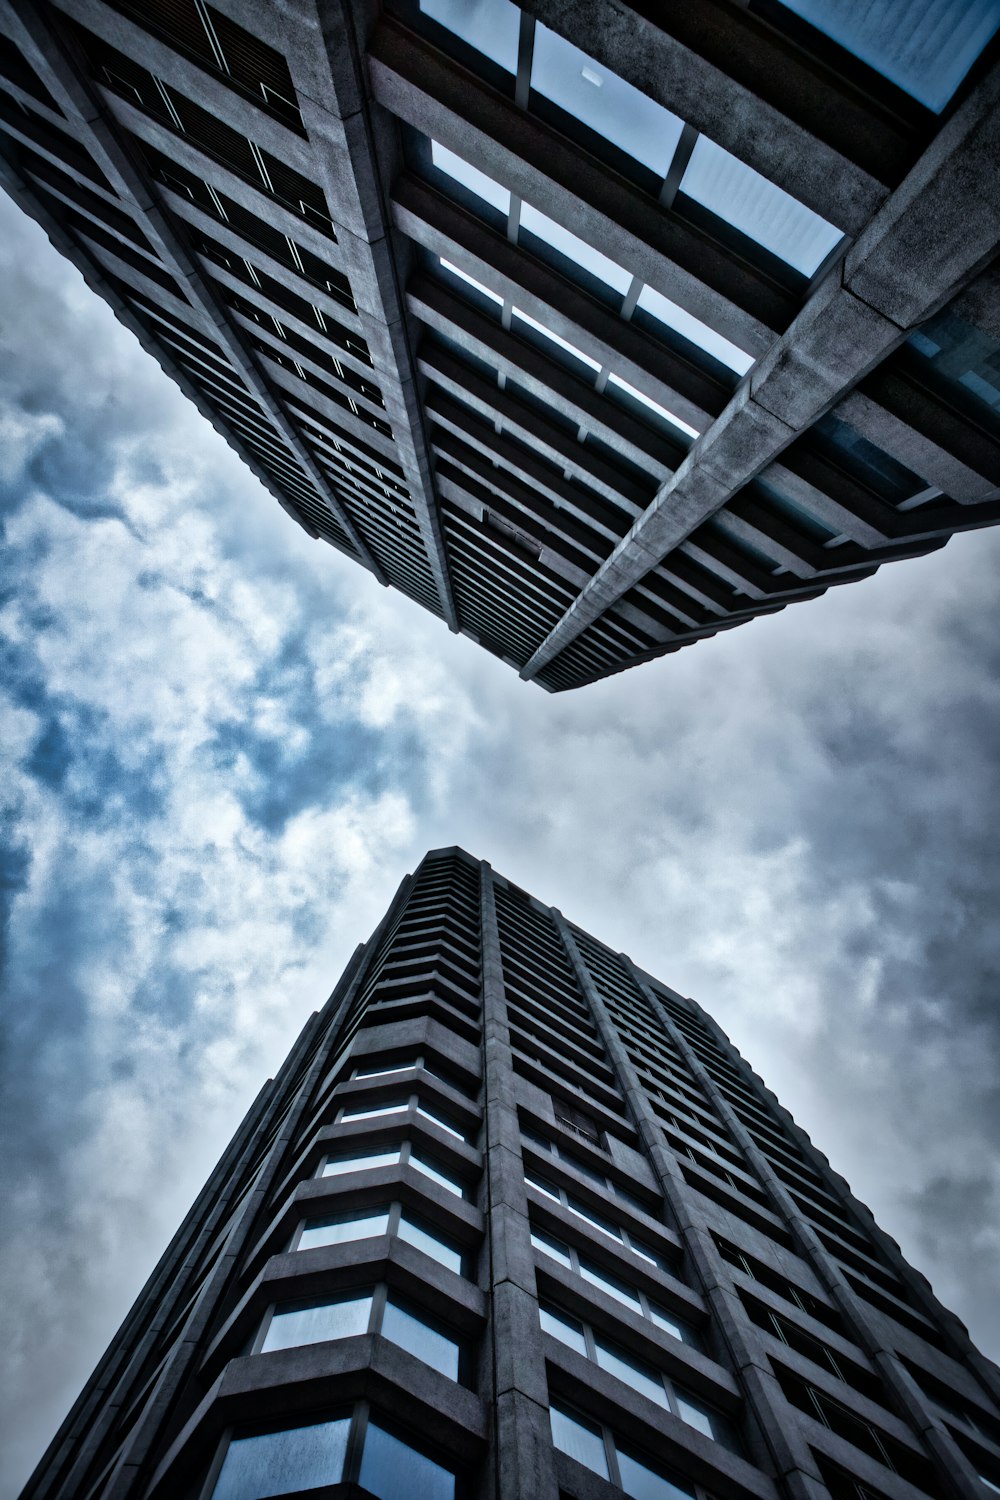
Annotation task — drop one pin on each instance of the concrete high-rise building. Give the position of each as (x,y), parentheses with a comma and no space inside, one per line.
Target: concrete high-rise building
(595,329)
(515,1220)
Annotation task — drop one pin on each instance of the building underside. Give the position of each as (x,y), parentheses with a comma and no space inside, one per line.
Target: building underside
(594,330)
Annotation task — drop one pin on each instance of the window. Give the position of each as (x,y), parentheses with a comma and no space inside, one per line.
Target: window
(337,1166)
(639,1376)
(568,1158)
(605,103)
(423,1239)
(838,441)
(925,47)
(577,252)
(642,405)
(596,1221)
(385,1070)
(470,178)
(641,136)
(297,1324)
(523,323)
(847,1424)
(420,1338)
(346,1229)
(630,1297)
(341,1231)
(275,1463)
(757,208)
(350,1115)
(490,26)
(398,1106)
(962,359)
(390,1467)
(844,1368)
(316,1323)
(420,1164)
(662,310)
(576,1120)
(581,1440)
(355,1447)
(595,1447)
(757,1271)
(468,280)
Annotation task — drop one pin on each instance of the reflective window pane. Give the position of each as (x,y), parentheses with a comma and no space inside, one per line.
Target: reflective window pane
(567,1330)
(597,1178)
(692,329)
(273,1463)
(373,1114)
(417,1338)
(384,1072)
(343,1231)
(601,100)
(391,1468)
(712,1423)
(617,386)
(336,1166)
(464,276)
(470,177)
(592,1219)
(523,321)
(575,249)
(674,1326)
(542,1185)
(608,1284)
(757,208)
(491,26)
(317,1323)
(555,1248)
(642,1483)
(924,46)
(584,1443)
(640,1377)
(875,468)
(962,355)
(439,1177)
(423,1240)
(429,1114)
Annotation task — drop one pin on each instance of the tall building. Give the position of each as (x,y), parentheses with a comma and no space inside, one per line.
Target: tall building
(516,1221)
(594,329)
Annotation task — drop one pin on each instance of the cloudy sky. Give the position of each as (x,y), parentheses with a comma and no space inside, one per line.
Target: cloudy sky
(223,746)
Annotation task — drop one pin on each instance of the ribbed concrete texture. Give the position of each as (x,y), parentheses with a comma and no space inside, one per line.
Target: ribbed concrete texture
(594,330)
(515,1221)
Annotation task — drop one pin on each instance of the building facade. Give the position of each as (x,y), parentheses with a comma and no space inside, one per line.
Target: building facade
(595,330)
(516,1221)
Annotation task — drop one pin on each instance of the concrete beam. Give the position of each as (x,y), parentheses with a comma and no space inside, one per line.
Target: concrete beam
(336,114)
(432,94)
(776,115)
(932,236)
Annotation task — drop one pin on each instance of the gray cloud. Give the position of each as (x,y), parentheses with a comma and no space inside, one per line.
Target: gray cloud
(225,745)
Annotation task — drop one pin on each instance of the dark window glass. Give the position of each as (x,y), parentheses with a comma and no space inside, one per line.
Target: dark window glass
(390,1468)
(316,1323)
(275,1463)
(418,1338)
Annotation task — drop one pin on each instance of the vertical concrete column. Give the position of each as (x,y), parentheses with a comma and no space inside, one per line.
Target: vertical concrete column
(957,1475)
(956,1335)
(779,1447)
(521,1460)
